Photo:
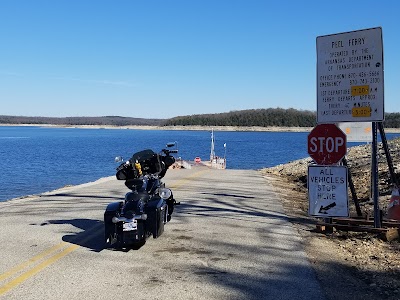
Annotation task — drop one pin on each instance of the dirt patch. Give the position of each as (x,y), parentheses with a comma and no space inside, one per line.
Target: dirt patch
(349,265)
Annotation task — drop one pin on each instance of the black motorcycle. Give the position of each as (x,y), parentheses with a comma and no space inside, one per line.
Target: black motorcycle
(147,207)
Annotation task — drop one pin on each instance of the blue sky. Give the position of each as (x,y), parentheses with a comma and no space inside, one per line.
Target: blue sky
(160,59)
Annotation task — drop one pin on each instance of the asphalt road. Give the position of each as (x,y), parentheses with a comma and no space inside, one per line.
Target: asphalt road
(229,239)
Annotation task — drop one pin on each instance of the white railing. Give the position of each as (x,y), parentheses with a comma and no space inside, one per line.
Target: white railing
(218,163)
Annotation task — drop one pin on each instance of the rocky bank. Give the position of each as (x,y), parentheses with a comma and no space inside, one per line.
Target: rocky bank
(350,265)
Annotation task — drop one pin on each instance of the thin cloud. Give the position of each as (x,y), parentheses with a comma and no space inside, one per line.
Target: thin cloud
(95,81)
(2,72)
(104,81)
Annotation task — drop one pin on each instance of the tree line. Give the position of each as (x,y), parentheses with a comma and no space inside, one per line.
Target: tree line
(275,117)
(99,121)
(253,117)
(392,120)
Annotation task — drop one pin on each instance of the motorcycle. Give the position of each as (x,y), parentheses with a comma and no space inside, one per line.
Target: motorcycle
(148,206)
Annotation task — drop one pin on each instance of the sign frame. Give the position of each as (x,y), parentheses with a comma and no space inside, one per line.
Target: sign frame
(350,76)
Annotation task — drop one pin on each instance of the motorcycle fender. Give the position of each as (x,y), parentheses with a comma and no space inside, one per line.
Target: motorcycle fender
(113,207)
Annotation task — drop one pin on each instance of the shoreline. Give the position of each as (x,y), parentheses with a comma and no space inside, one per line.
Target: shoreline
(188,128)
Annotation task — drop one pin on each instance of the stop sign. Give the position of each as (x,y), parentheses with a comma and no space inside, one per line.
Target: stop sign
(327,144)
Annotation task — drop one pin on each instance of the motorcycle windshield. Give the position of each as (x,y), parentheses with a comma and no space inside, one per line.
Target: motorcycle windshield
(142,155)
(149,161)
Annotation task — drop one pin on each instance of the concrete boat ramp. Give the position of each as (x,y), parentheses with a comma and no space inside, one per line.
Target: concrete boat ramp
(229,239)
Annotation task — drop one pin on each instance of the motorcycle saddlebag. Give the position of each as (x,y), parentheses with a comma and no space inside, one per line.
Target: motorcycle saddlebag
(156,216)
(110,212)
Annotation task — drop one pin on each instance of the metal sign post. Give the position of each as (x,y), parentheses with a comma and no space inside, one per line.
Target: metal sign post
(375,187)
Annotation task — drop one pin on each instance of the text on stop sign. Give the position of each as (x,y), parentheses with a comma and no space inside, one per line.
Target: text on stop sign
(328,144)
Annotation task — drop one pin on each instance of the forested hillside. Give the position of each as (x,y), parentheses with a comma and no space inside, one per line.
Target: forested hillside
(264,118)
(392,120)
(276,117)
(253,117)
(108,120)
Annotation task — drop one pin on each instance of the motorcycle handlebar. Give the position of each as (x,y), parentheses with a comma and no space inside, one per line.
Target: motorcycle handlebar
(167,152)
(123,165)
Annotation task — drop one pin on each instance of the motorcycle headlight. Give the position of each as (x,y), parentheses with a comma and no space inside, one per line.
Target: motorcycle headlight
(164,193)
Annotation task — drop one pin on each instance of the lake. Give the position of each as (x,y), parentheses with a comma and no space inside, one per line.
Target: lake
(39,159)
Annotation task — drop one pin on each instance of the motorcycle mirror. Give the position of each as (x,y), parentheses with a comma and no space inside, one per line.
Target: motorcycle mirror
(118,159)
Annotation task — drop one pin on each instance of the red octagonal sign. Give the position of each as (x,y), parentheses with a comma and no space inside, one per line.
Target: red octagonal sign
(327,144)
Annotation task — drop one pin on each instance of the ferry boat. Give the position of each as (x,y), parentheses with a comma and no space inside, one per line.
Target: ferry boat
(216,162)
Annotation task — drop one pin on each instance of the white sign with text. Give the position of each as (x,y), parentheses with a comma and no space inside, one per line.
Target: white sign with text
(350,77)
(357,131)
(327,191)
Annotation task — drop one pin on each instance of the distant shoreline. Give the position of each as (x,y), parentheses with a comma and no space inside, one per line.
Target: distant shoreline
(193,128)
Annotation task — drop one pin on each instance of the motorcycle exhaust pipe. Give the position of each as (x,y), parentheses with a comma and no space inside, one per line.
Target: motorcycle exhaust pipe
(126,220)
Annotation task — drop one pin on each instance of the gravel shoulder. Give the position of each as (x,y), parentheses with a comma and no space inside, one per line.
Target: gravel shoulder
(349,265)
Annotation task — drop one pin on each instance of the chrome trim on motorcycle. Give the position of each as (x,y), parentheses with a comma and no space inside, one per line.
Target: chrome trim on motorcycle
(126,220)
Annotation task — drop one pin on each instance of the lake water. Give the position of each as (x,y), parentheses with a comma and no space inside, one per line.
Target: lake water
(39,159)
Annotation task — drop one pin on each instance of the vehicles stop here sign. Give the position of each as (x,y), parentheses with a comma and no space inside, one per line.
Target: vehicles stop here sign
(327,191)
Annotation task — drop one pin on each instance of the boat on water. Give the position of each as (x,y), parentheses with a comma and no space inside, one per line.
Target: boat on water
(216,162)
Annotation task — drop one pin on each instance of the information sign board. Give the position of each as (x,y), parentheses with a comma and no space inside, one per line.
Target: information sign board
(327,191)
(350,77)
(357,131)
